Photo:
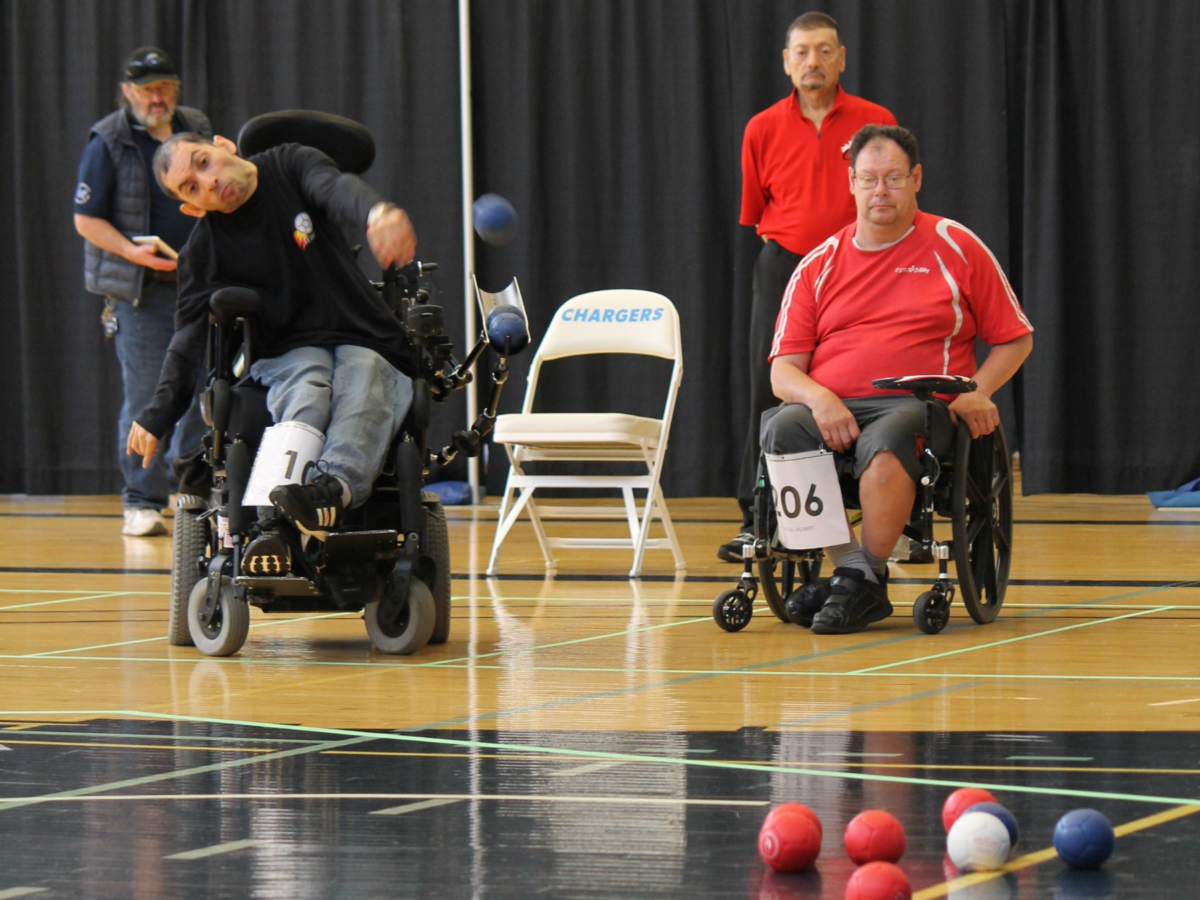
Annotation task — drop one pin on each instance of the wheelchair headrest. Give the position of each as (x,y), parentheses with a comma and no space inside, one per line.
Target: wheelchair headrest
(349,144)
(230,303)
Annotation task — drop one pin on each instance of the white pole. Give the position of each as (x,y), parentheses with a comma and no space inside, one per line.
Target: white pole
(468,194)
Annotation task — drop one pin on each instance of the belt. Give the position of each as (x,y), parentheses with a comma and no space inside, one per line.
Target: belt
(170,277)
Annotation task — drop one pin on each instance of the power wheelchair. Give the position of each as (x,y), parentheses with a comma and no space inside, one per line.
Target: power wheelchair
(391,558)
(971,486)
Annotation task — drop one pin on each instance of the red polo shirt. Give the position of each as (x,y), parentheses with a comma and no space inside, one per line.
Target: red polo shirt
(912,308)
(794,182)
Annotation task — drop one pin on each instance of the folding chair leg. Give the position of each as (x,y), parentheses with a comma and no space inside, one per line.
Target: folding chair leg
(535,519)
(669,527)
(503,526)
(643,532)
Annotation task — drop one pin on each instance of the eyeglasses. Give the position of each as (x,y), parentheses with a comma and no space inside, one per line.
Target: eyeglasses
(870,182)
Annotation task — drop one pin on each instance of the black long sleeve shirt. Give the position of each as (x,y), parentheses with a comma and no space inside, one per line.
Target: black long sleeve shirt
(284,243)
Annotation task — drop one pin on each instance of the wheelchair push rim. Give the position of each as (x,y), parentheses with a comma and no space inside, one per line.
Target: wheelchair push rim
(982,521)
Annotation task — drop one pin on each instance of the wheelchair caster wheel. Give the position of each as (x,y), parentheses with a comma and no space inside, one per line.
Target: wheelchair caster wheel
(931,612)
(732,610)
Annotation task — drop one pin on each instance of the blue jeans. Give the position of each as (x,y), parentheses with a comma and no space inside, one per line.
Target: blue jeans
(352,395)
(143,335)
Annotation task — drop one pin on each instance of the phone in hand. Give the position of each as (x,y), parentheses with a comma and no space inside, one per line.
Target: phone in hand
(158,243)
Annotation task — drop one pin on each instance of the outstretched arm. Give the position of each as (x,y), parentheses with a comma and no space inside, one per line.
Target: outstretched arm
(350,201)
(977,408)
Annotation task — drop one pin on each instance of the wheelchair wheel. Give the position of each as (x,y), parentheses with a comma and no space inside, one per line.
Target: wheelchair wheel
(792,577)
(189,541)
(982,517)
(402,626)
(439,549)
(221,630)
(732,610)
(931,612)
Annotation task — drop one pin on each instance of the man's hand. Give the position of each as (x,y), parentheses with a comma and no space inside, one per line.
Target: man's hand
(391,236)
(146,255)
(838,428)
(977,410)
(142,443)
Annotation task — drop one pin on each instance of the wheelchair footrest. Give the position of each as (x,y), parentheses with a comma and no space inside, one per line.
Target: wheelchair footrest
(289,586)
(361,547)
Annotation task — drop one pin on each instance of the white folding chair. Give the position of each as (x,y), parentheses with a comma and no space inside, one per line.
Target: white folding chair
(615,321)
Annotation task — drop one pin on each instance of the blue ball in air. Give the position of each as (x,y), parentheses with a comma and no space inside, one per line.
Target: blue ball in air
(495,220)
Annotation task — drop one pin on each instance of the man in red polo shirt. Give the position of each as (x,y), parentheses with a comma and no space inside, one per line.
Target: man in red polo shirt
(794,191)
(897,292)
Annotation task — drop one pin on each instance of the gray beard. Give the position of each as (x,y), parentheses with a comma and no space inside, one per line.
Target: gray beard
(153,120)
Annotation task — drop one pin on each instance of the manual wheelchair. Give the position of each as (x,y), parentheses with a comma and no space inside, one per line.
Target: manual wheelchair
(971,486)
(391,558)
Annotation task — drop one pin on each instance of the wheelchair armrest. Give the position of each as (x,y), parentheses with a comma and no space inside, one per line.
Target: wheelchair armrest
(230,303)
(926,384)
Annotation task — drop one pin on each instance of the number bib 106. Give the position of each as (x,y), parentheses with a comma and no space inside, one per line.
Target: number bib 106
(286,455)
(808,500)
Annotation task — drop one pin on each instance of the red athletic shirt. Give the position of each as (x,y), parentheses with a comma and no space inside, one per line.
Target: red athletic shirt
(913,308)
(794,182)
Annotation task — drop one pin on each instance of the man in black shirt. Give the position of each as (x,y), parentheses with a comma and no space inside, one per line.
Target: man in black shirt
(117,199)
(330,351)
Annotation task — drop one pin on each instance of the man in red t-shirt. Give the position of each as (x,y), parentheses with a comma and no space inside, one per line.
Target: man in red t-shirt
(898,292)
(794,192)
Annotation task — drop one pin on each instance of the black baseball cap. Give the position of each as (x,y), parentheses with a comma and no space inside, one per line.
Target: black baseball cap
(147,65)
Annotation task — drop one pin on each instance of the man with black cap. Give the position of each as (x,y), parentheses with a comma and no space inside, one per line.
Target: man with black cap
(117,199)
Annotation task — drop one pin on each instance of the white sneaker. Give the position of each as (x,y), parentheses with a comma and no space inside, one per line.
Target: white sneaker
(144,523)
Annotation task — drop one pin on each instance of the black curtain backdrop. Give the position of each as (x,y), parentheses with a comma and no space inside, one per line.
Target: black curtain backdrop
(1064,134)
(391,64)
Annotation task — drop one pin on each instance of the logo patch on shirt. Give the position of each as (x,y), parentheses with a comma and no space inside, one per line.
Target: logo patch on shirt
(304,230)
(83,194)
(917,270)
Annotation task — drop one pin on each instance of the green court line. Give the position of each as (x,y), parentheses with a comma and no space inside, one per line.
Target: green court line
(168,737)
(54,654)
(366,736)
(877,704)
(1012,640)
(790,673)
(67,591)
(178,773)
(103,596)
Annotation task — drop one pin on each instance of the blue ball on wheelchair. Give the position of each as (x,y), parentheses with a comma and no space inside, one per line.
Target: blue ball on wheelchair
(507,322)
(495,219)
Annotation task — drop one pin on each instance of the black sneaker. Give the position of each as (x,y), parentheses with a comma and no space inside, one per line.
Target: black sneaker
(732,552)
(854,603)
(267,554)
(806,601)
(314,508)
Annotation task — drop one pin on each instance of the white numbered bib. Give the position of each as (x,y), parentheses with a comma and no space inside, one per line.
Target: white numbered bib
(808,500)
(286,455)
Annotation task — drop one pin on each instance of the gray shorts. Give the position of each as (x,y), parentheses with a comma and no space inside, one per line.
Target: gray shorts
(894,424)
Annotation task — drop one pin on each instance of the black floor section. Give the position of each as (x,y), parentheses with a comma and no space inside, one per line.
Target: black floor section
(511,844)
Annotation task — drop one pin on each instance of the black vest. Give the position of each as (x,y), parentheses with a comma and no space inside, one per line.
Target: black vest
(107,273)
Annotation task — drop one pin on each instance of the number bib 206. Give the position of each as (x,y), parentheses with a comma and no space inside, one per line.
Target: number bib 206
(286,455)
(808,500)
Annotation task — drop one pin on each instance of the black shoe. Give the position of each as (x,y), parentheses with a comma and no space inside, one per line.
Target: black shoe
(854,603)
(806,601)
(732,552)
(314,508)
(267,554)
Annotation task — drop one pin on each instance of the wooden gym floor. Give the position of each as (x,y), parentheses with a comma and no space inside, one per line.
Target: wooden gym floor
(585,735)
